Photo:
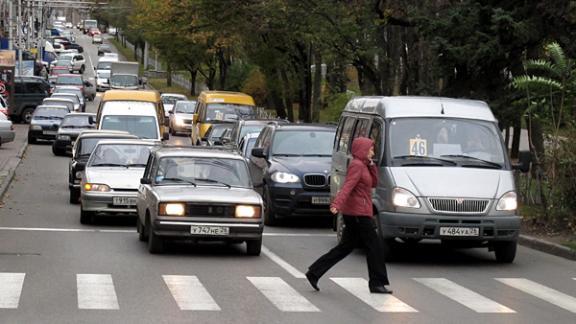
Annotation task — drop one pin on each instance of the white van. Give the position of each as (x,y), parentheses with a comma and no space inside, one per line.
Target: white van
(102,71)
(135,117)
(444,171)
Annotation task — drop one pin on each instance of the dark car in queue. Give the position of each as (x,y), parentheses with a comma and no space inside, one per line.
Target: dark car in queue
(198,194)
(245,126)
(83,147)
(69,129)
(247,144)
(45,122)
(215,133)
(181,117)
(290,165)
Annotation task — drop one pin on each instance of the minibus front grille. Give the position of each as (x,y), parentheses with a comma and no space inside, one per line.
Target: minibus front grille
(459,205)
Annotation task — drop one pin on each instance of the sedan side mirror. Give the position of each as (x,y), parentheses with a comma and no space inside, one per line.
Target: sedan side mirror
(144,181)
(91,120)
(259,152)
(165,136)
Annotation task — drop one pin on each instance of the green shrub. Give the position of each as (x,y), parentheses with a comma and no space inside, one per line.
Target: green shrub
(335,104)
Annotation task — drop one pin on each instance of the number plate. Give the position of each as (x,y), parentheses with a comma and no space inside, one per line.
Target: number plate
(124,201)
(48,132)
(321,200)
(209,230)
(459,231)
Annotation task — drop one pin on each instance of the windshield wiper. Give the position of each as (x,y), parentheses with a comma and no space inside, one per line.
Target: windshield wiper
(494,164)
(180,180)
(110,164)
(420,157)
(321,155)
(214,181)
(136,165)
(286,154)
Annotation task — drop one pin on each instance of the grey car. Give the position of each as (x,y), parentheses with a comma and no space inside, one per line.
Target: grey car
(181,117)
(69,129)
(111,178)
(198,194)
(6,130)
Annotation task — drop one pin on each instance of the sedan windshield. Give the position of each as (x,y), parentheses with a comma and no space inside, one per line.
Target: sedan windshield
(43,113)
(218,111)
(123,155)
(170,100)
(141,126)
(76,121)
(433,141)
(303,142)
(202,171)
(185,107)
(75,80)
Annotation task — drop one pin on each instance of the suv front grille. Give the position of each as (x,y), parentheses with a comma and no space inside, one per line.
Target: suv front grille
(315,180)
(459,205)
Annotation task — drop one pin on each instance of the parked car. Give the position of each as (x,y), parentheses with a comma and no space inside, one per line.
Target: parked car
(199,194)
(169,99)
(215,133)
(28,93)
(181,117)
(6,130)
(78,64)
(3,107)
(71,126)
(73,90)
(290,166)
(83,147)
(112,176)
(45,122)
(245,126)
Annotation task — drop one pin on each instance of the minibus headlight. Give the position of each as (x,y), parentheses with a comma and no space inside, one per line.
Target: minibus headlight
(285,177)
(508,201)
(404,198)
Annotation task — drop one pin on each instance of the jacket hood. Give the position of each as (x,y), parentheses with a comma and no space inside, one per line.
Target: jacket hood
(360,148)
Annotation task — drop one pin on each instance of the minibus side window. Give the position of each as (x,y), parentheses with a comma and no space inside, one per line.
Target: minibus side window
(376,132)
(346,134)
(361,128)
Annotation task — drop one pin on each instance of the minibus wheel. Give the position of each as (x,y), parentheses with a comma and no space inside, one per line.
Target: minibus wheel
(505,251)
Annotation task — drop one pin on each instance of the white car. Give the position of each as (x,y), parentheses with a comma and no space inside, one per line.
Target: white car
(6,130)
(168,100)
(97,39)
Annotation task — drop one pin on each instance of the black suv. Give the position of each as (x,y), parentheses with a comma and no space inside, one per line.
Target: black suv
(290,167)
(28,93)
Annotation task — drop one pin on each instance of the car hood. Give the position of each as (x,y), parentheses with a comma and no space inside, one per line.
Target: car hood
(300,165)
(453,182)
(115,177)
(207,194)
(47,122)
(71,131)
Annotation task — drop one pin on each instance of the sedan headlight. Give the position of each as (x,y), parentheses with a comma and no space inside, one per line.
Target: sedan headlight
(285,177)
(96,187)
(507,201)
(172,209)
(246,211)
(404,198)
(36,127)
(64,137)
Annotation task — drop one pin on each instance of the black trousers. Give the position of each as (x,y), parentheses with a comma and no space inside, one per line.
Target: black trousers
(357,230)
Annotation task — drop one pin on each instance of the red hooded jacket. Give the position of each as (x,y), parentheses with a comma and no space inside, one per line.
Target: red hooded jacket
(355,196)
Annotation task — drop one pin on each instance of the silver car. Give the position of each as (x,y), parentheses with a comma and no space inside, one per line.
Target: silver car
(6,130)
(111,178)
(198,194)
(181,116)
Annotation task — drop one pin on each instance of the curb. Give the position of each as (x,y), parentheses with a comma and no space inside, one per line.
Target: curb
(12,168)
(547,247)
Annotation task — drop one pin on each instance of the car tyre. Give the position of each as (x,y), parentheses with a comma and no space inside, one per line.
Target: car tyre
(253,247)
(58,152)
(86,217)
(31,140)
(26,115)
(155,242)
(269,216)
(505,251)
(141,229)
(74,196)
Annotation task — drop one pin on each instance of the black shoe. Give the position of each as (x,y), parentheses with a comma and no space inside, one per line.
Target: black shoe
(313,280)
(380,290)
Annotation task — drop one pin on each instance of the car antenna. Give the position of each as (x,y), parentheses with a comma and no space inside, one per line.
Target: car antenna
(442,111)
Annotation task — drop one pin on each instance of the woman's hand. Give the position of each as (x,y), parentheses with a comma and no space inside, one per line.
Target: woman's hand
(333,210)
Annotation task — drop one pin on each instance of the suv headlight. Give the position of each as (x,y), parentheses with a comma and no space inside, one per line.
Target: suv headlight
(99,187)
(246,211)
(172,209)
(404,198)
(284,177)
(507,201)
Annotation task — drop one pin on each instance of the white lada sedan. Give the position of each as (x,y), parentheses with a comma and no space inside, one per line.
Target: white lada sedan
(198,194)
(112,176)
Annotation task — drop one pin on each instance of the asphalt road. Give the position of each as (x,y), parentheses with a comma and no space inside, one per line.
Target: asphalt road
(55,270)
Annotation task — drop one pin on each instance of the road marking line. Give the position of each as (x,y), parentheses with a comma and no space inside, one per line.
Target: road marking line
(96,291)
(286,298)
(540,291)
(285,265)
(189,293)
(464,296)
(380,302)
(10,289)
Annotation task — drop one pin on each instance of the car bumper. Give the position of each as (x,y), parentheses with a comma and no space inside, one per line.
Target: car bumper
(425,226)
(40,134)
(104,202)
(181,228)
(297,202)
(185,128)
(7,136)
(63,145)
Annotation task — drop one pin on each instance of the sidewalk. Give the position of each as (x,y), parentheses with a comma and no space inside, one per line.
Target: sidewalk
(10,156)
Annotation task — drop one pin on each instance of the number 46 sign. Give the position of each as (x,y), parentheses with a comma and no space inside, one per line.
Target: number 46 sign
(418,146)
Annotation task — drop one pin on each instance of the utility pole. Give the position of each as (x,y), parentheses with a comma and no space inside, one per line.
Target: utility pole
(10,25)
(19,26)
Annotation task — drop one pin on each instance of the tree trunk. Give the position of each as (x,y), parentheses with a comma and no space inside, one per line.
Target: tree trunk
(193,74)
(169,74)
(516,136)
(536,141)
(287,94)
(223,64)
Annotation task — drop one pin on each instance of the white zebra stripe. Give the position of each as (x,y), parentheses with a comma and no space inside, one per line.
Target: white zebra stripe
(540,291)
(10,289)
(189,293)
(284,297)
(96,291)
(380,302)
(464,296)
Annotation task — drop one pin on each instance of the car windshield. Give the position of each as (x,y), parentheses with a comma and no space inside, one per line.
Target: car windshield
(76,121)
(468,142)
(43,113)
(250,129)
(170,100)
(185,107)
(104,66)
(124,155)
(141,126)
(63,79)
(303,142)
(202,171)
(124,80)
(216,131)
(73,97)
(220,111)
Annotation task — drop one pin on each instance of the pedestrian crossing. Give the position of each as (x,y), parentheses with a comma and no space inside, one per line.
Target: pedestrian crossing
(98,292)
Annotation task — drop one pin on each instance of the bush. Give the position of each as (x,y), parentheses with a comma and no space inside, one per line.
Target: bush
(255,85)
(335,104)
